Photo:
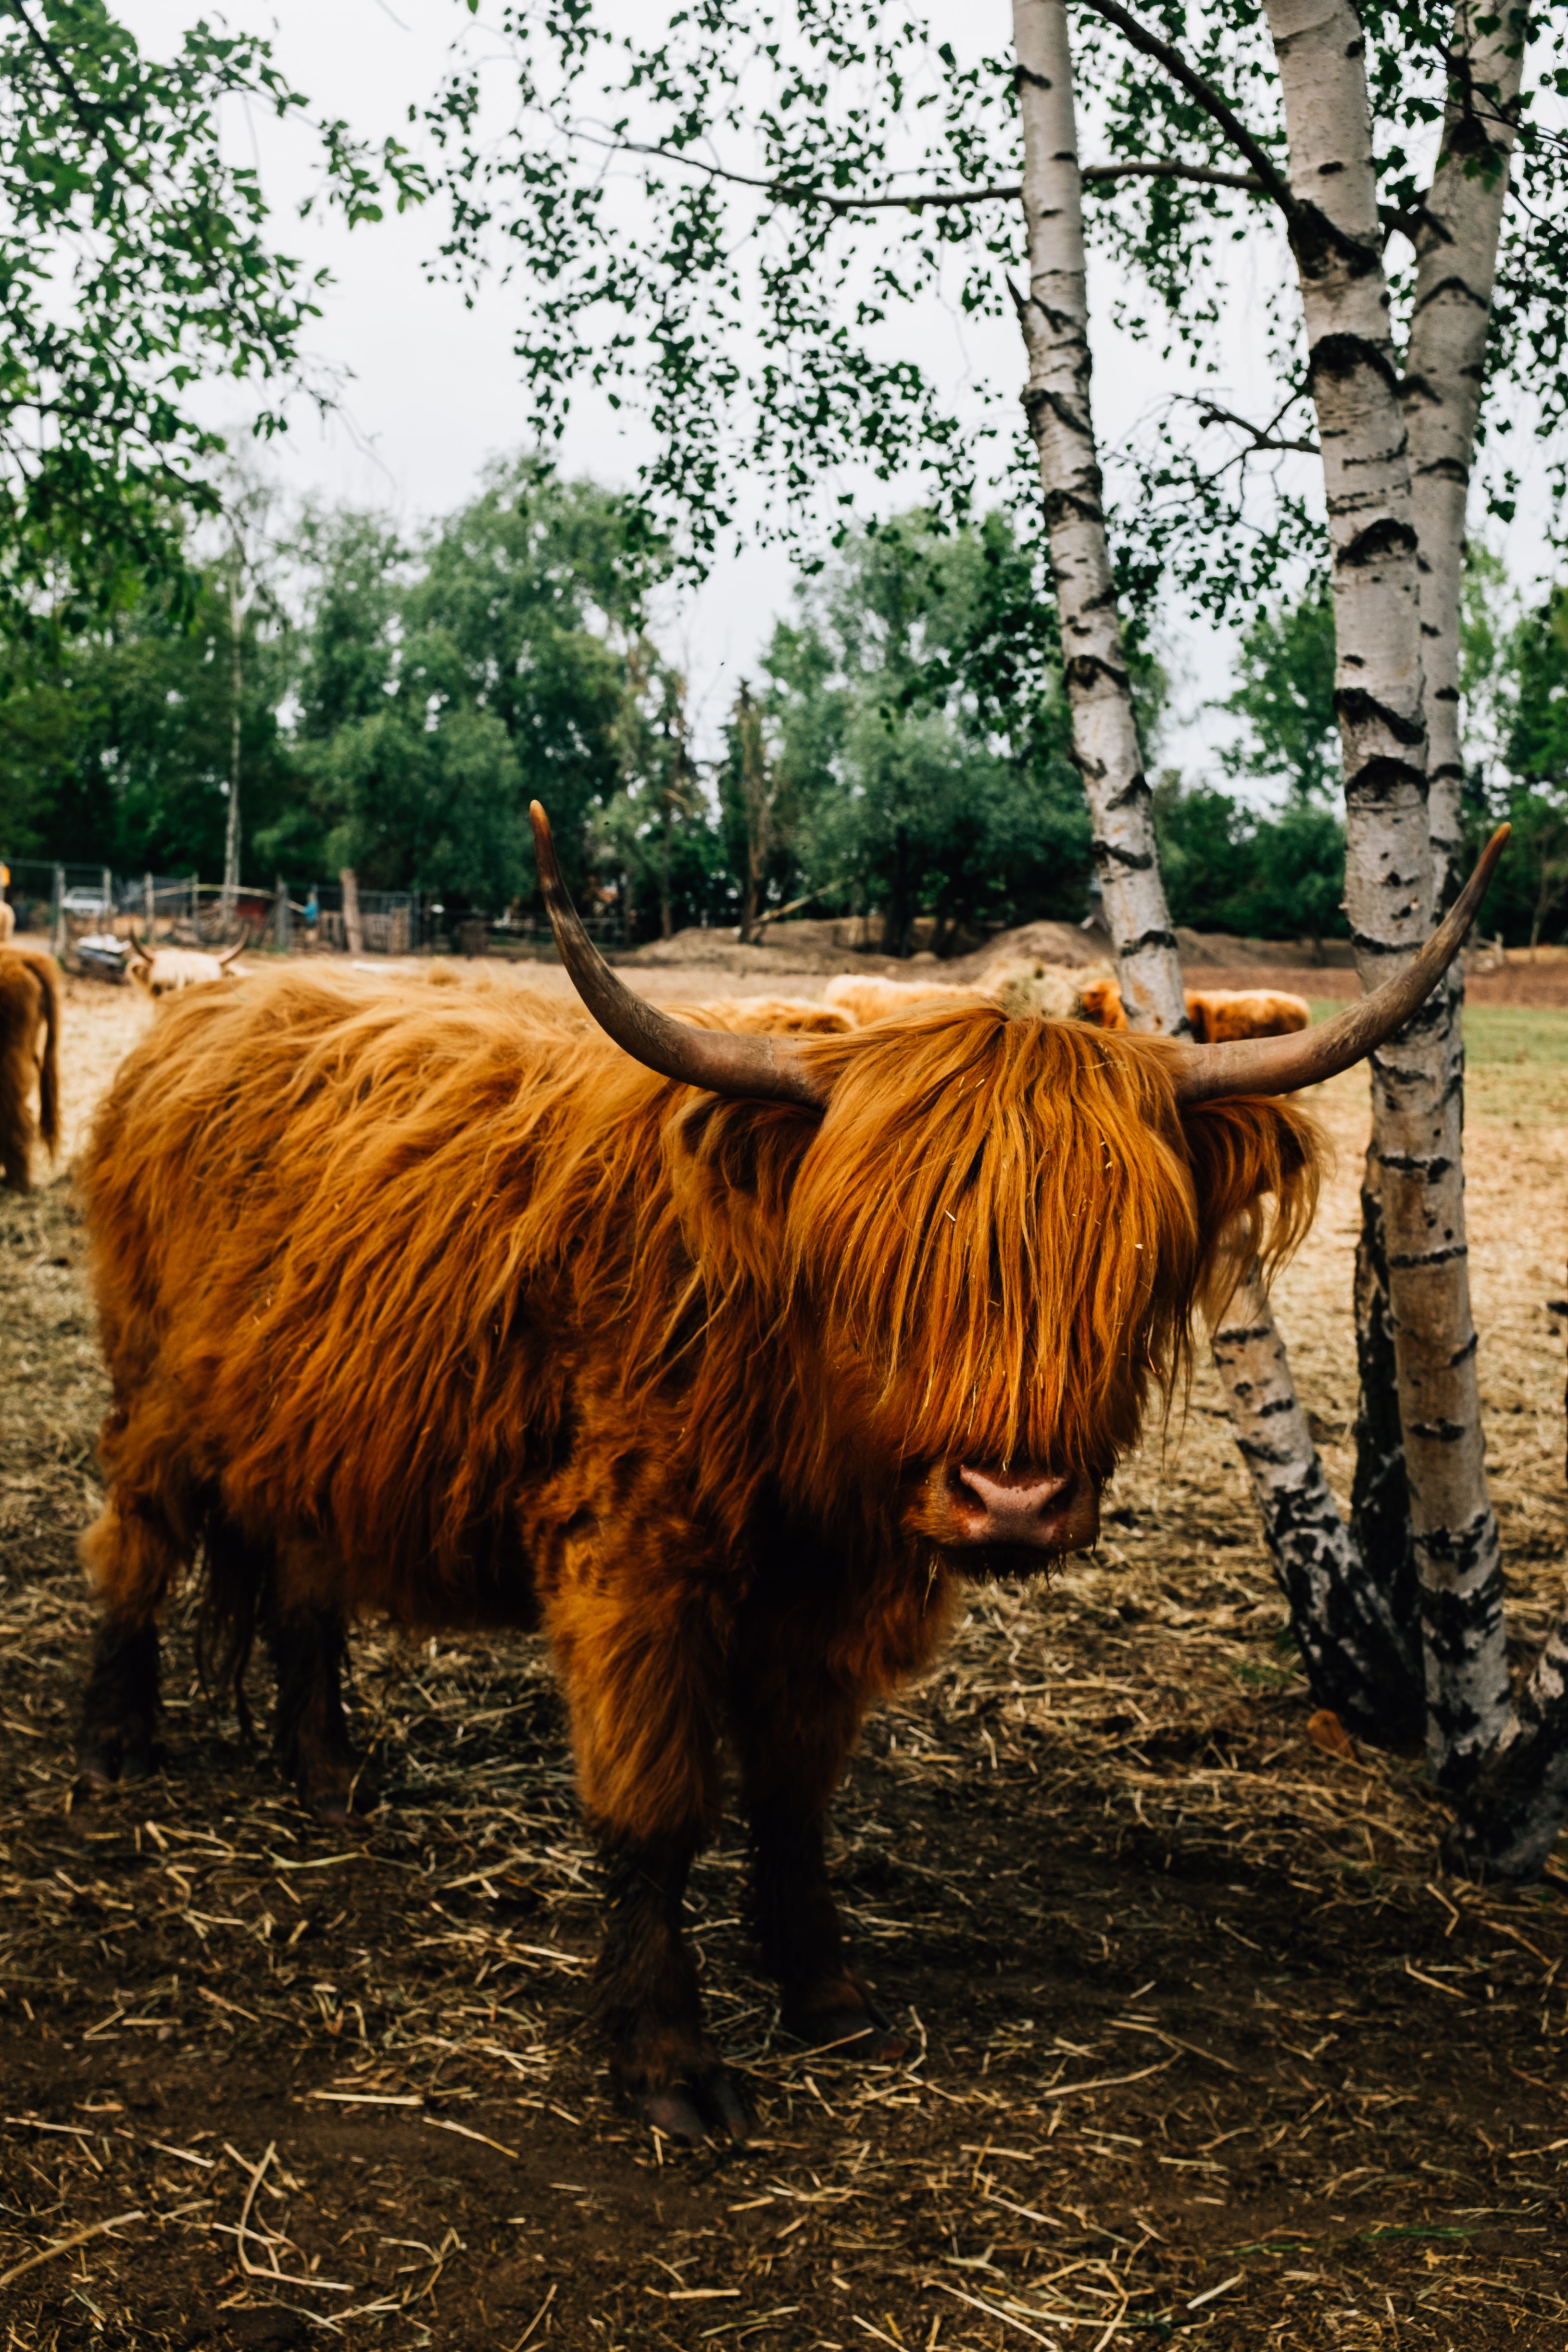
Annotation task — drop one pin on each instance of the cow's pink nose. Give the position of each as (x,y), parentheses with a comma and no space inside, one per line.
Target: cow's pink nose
(1010,1506)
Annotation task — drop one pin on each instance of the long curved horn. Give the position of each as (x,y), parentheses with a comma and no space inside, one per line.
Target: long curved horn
(769,1068)
(139,951)
(228,954)
(1278,1065)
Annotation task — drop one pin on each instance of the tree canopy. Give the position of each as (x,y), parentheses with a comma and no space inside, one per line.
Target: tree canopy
(133,261)
(718,216)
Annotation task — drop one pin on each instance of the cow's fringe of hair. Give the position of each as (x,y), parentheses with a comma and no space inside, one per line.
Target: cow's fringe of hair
(362,1254)
(30,997)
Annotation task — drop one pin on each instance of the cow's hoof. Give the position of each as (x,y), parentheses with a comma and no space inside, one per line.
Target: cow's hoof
(105,1763)
(850,2032)
(335,1798)
(706,2103)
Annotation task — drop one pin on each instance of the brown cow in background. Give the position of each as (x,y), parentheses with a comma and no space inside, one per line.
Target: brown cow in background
(1218,1014)
(30,1061)
(1073,993)
(725,1365)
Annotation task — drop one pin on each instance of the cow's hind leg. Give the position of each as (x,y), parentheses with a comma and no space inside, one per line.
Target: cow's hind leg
(311,1737)
(254,1583)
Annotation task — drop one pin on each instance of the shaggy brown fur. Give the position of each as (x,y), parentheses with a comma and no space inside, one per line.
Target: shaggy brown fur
(416,1301)
(29,1060)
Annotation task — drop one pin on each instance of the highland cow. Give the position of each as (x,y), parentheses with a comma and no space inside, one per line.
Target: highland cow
(1219,1013)
(164,971)
(724,1357)
(30,1061)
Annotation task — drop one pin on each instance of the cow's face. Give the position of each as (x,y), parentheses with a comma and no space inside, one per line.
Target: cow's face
(984,1254)
(173,969)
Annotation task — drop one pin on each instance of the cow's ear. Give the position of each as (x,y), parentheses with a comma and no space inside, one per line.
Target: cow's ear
(1257,1163)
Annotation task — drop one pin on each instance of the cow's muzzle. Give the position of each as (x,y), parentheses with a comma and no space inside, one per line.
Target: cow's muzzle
(996,1520)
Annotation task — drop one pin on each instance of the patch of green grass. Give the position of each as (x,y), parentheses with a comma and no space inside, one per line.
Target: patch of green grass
(1516,1062)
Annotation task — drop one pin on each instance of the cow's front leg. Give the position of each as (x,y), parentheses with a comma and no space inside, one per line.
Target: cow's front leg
(639,1632)
(823,2000)
(662,2061)
(790,1763)
(812,1655)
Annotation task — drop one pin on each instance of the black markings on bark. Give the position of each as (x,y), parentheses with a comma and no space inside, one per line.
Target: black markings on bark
(1354,707)
(1131,794)
(1441,1433)
(1144,941)
(1406,1163)
(1429,1257)
(1060,505)
(1135,861)
(1086,670)
(1357,1659)
(1383,782)
(1039,397)
(1340,356)
(1318,243)
(1385,537)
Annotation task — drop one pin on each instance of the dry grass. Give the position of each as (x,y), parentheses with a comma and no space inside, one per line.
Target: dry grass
(1207,2049)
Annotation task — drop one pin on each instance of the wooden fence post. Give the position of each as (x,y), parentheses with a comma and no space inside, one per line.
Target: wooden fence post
(149,908)
(283,916)
(352,929)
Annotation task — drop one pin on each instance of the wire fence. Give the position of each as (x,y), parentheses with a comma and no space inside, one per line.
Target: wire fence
(77,905)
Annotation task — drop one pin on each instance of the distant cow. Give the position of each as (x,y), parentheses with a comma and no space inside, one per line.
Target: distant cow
(164,971)
(1055,991)
(29,1060)
(1219,1013)
(724,1357)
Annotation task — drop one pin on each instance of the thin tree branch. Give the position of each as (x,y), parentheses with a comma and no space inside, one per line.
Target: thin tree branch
(1271,181)
(791,192)
(1264,436)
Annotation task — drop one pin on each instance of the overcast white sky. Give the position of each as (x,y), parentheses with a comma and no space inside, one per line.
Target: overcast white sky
(431,387)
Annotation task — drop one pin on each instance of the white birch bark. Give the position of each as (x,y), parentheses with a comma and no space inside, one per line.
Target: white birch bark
(1379,697)
(1456,250)
(1347,1637)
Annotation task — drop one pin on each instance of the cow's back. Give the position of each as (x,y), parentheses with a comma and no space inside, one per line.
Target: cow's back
(338,1235)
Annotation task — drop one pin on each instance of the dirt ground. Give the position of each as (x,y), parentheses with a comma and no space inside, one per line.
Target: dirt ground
(1208,2049)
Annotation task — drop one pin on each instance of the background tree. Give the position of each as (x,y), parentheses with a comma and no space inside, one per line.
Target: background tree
(441,687)
(924,753)
(116,745)
(133,262)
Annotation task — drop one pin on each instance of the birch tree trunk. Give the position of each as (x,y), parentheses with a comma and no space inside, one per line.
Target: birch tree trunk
(1336,237)
(1456,249)
(231,831)
(1348,1639)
